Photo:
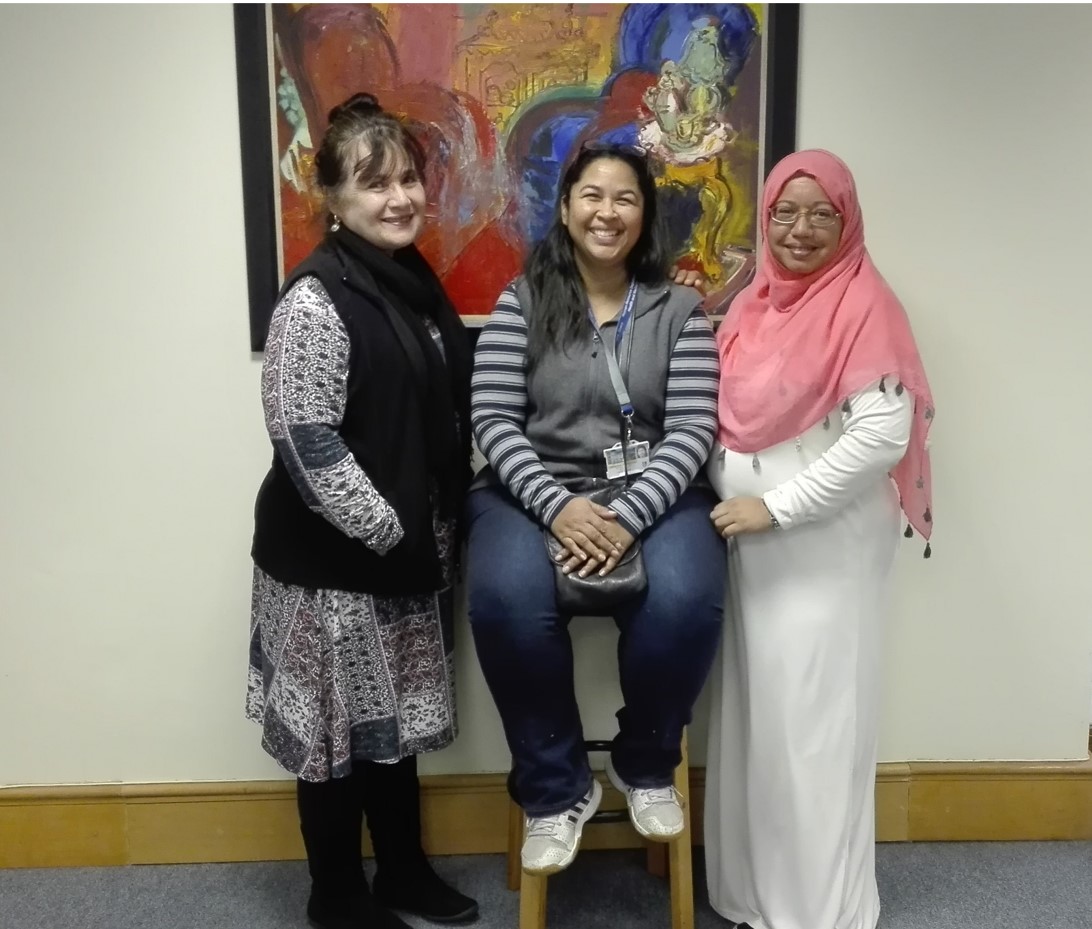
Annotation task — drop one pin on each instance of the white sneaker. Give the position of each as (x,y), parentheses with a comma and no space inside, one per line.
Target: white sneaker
(552,841)
(656,812)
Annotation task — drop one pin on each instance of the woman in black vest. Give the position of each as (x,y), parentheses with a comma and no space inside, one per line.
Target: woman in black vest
(365,387)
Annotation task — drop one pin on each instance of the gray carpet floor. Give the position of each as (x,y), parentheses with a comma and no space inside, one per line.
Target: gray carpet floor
(1027,885)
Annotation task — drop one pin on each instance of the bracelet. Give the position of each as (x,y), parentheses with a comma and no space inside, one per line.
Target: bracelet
(774,524)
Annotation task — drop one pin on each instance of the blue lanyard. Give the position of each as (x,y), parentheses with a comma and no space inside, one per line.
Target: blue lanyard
(623,320)
(627,315)
(619,384)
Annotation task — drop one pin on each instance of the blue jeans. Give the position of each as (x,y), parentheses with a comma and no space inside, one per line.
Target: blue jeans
(668,637)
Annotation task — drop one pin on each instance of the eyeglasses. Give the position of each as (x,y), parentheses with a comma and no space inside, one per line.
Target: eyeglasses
(601,145)
(821,217)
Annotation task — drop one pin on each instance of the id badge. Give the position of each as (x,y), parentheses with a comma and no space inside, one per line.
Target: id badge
(634,461)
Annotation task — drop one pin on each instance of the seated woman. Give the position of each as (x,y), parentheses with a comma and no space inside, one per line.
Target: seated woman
(546,413)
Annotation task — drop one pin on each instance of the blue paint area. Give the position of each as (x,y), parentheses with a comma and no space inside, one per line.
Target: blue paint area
(540,169)
(619,135)
(680,208)
(651,33)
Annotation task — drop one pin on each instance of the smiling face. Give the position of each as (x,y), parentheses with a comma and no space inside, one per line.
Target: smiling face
(604,214)
(801,247)
(384,204)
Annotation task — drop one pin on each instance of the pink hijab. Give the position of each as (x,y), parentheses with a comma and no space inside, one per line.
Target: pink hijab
(793,348)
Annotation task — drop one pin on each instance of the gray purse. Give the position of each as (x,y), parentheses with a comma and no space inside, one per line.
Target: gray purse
(594,595)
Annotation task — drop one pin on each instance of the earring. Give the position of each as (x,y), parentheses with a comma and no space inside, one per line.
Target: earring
(336,224)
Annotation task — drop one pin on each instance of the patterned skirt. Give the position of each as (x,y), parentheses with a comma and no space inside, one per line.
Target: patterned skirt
(336,675)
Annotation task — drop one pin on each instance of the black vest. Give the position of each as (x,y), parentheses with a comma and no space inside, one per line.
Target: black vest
(384,428)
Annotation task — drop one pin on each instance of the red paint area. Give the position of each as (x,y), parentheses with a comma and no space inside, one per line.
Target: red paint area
(481,271)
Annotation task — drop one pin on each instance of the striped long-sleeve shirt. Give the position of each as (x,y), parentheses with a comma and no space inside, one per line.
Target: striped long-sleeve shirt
(537,427)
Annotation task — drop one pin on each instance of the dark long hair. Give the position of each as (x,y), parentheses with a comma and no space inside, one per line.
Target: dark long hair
(559,312)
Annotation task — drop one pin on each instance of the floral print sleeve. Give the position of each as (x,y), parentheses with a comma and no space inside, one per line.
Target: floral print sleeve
(304,387)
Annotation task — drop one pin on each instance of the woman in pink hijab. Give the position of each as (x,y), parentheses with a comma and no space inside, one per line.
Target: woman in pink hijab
(824,410)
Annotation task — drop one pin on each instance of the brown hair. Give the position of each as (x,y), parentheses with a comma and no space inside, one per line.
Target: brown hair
(361,119)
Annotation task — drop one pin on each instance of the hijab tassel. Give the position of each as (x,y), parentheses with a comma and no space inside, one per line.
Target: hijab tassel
(898,389)
(826,422)
(883,386)
(846,408)
(928,550)
(755,464)
(909,533)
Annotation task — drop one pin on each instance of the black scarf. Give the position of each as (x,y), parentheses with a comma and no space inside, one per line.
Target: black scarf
(414,291)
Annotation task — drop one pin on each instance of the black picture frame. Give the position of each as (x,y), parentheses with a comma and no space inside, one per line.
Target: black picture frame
(256,143)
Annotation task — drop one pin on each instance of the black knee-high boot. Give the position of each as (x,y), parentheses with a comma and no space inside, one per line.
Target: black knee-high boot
(331,824)
(404,879)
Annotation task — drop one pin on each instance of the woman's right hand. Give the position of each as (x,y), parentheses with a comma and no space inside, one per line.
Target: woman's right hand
(583,527)
(585,566)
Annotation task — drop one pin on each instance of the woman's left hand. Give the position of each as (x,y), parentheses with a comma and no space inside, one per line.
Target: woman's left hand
(741,515)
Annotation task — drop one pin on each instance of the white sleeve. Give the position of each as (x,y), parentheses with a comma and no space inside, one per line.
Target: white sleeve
(876,432)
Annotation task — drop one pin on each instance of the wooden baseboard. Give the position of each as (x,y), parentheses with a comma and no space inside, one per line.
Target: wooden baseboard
(468,814)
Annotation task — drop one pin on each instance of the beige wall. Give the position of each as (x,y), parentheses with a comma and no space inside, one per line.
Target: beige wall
(133,441)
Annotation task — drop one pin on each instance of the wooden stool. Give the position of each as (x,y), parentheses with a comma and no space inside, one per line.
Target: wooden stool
(677,852)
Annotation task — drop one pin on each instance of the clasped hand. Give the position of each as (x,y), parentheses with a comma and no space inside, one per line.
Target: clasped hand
(739,515)
(591,536)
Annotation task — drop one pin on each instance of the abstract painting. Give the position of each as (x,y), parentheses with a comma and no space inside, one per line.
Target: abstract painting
(501,97)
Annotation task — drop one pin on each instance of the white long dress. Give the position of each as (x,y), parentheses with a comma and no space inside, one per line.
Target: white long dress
(789,812)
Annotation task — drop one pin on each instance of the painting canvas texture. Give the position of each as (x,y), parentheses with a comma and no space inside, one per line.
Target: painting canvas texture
(502,96)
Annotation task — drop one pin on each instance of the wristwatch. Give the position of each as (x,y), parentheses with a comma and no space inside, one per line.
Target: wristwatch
(774,524)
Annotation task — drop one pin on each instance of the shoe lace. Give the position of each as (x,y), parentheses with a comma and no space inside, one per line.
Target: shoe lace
(545,826)
(659,795)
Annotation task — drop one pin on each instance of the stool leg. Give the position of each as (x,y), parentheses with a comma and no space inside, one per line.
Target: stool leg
(515,843)
(656,859)
(532,902)
(531,887)
(680,854)
(682,883)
